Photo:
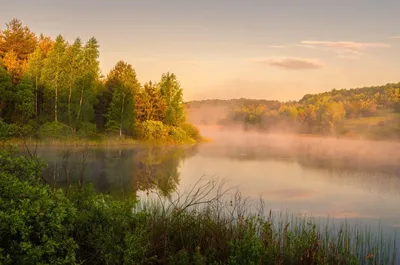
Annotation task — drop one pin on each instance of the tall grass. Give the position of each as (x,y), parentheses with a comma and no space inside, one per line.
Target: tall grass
(197,228)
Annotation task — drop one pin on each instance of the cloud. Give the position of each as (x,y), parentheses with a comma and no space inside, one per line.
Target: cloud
(395,37)
(291,63)
(343,47)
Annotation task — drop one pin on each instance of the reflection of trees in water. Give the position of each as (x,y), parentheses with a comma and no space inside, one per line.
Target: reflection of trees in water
(158,168)
(118,171)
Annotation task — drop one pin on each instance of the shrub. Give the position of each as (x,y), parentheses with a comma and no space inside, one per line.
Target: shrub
(7,130)
(35,222)
(85,129)
(153,131)
(107,227)
(54,130)
(178,135)
(192,131)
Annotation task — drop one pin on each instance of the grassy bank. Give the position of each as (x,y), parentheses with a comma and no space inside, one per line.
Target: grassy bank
(207,225)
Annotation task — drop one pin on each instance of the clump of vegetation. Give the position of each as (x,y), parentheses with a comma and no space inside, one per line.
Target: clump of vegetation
(53,89)
(43,225)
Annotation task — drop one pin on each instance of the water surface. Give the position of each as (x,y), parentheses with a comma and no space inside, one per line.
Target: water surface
(356,180)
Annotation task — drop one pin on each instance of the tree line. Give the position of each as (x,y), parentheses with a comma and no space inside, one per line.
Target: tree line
(322,113)
(56,87)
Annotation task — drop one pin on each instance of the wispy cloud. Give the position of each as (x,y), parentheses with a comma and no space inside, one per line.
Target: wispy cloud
(344,47)
(395,37)
(290,63)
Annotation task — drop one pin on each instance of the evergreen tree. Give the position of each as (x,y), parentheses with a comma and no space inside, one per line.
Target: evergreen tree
(17,42)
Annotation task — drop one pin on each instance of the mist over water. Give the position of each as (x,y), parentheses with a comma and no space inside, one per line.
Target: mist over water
(340,178)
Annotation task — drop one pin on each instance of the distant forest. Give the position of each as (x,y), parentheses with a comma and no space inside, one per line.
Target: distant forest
(333,112)
(53,88)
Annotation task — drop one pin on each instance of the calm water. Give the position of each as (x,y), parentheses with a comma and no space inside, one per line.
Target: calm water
(352,180)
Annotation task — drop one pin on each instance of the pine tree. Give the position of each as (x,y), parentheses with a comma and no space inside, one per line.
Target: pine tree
(17,42)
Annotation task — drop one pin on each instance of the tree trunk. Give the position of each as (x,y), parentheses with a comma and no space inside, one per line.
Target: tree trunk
(56,88)
(122,114)
(55,106)
(80,108)
(36,95)
(69,105)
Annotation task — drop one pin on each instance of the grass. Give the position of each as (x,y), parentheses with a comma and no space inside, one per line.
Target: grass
(235,231)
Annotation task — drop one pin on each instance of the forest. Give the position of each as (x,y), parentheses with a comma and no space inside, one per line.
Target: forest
(53,88)
(347,112)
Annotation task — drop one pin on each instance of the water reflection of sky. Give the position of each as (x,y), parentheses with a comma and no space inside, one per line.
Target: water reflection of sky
(287,185)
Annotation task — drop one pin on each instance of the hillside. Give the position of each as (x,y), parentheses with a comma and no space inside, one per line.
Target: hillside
(368,112)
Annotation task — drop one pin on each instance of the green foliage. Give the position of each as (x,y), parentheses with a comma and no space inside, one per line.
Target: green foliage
(24,101)
(86,129)
(7,130)
(171,92)
(178,135)
(54,130)
(153,131)
(44,80)
(107,227)
(35,222)
(191,131)
(53,74)
(149,104)
(123,85)
(156,131)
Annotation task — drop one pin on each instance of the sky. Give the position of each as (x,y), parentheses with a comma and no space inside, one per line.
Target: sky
(270,49)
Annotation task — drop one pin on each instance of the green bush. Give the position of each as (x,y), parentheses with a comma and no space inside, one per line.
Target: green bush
(35,222)
(7,130)
(54,130)
(107,227)
(86,129)
(153,131)
(192,131)
(178,135)
(156,131)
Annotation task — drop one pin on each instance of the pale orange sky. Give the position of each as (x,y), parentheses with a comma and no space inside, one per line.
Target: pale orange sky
(230,49)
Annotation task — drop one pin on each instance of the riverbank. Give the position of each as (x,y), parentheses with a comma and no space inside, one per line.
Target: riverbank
(82,142)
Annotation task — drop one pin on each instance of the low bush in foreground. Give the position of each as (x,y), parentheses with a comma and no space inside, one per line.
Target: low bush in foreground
(40,225)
